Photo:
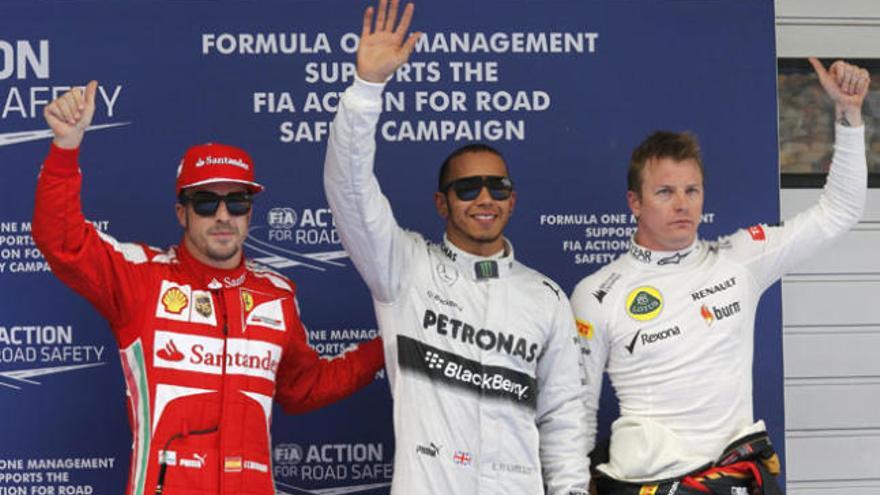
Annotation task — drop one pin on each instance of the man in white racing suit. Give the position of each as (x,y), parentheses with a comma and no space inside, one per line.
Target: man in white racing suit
(482,352)
(672,321)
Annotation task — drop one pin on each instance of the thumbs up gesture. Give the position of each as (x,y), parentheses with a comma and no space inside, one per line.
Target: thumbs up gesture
(846,85)
(70,114)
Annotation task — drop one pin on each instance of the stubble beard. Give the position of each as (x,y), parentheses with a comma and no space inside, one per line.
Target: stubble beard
(222,256)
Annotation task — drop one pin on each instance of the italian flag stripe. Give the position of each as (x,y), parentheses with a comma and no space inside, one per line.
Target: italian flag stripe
(136,379)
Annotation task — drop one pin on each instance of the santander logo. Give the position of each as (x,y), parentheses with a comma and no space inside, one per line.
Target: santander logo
(204,354)
(170,352)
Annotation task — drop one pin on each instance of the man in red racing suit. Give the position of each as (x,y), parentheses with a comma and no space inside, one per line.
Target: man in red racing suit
(206,338)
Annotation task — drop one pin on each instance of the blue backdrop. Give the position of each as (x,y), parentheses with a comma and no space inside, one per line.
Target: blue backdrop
(564,88)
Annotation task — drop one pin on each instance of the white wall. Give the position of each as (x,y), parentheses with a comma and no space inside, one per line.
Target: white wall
(828,28)
(831,305)
(831,332)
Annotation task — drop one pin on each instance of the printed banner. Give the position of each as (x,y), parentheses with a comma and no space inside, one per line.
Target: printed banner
(565,89)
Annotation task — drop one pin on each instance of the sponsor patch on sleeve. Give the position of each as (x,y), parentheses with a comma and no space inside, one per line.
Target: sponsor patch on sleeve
(757,233)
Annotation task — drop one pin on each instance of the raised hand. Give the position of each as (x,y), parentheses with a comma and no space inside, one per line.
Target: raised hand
(383,47)
(846,85)
(70,114)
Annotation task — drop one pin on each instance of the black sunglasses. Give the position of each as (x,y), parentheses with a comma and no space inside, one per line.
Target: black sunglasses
(205,203)
(469,188)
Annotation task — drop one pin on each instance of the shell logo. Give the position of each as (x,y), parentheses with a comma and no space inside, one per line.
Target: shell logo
(174,300)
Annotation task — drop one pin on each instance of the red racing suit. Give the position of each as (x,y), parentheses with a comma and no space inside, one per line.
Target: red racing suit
(204,351)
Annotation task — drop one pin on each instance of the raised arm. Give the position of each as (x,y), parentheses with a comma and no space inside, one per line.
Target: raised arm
(772,251)
(90,262)
(377,245)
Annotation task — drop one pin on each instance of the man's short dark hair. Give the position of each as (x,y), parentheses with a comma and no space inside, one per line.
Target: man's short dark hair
(468,148)
(678,146)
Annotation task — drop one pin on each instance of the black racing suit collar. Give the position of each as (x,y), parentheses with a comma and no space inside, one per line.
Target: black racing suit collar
(480,267)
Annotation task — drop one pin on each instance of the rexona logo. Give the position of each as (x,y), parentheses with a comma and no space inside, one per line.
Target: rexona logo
(297,237)
(201,354)
(648,338)
(644,303)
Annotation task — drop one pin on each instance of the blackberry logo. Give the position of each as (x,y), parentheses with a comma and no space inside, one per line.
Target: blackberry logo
(433,360)
(456,371)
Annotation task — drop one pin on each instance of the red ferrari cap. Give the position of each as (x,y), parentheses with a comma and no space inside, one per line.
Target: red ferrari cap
(214,162)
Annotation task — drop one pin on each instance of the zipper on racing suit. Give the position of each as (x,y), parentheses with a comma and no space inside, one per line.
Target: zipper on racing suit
(221,297)
(163,464)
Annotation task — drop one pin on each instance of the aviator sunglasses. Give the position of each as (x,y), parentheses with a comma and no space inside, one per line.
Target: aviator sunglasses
(205,203)
(469,188)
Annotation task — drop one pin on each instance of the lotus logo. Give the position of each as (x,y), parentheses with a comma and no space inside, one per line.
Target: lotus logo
(644,303)
(170,352)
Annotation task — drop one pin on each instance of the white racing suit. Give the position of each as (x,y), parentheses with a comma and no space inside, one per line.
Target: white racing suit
(675,330)
(482,353)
